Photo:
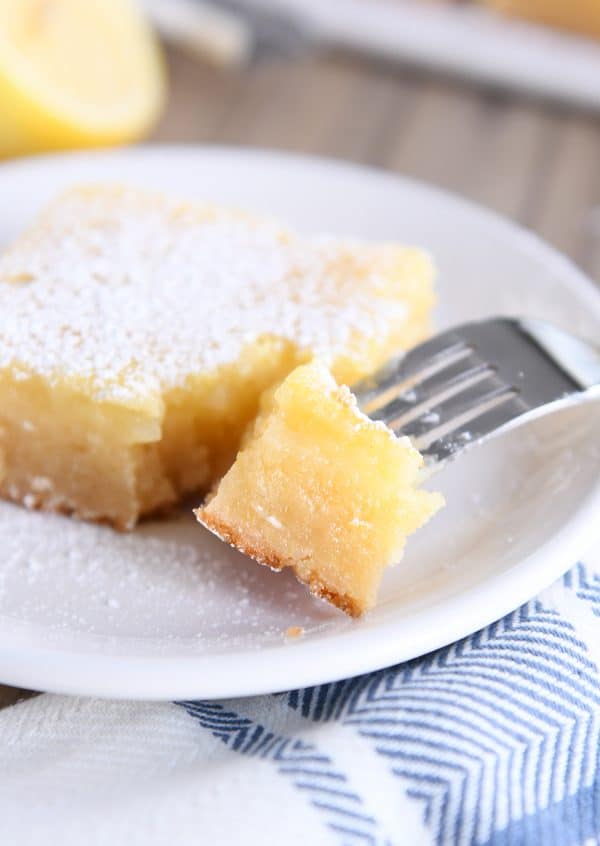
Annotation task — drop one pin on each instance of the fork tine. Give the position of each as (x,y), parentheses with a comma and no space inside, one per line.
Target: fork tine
(401,373)
(439,345)
(440,444)
(452,410)
(478,379)
(433,391)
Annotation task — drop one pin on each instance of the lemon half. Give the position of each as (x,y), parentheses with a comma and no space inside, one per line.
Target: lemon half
(76,73)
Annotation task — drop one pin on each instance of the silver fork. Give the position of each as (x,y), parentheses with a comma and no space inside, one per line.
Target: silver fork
(477,380)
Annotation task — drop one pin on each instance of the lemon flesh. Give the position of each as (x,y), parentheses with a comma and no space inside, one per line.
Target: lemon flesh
(76,74)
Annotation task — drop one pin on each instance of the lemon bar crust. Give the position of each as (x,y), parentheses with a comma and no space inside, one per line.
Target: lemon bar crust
(270,558)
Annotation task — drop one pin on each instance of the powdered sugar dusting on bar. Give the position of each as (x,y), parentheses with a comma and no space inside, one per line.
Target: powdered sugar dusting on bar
(133,291)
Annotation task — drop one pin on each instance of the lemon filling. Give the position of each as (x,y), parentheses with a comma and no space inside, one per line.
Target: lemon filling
(139,333)
(320,488)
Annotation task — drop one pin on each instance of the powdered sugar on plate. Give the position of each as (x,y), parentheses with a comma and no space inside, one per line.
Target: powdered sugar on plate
(163,577)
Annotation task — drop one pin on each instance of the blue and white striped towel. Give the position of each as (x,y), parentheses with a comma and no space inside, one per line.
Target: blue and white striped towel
(493,740)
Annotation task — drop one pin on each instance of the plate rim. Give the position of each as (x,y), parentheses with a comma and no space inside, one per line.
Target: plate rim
(362,647)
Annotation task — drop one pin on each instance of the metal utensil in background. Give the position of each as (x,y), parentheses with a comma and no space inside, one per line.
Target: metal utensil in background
(458,39)
(229,33)
(204,30)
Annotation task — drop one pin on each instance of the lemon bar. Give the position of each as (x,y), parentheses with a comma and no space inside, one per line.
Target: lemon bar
(139,332)
(320,488)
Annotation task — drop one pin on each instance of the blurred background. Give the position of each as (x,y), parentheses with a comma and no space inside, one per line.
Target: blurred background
(497,100)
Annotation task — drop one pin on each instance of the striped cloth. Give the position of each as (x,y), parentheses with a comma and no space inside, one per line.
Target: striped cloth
(493,740)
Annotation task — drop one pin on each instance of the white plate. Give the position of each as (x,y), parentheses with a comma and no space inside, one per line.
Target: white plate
(169,612)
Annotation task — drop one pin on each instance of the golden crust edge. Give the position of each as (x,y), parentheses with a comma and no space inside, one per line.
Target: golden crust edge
(268,558)
(57,504)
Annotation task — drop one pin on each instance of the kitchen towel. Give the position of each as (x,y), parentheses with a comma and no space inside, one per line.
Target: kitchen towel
(493,740)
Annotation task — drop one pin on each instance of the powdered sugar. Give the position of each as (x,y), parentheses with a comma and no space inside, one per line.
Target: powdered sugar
(132,292)
(162,578)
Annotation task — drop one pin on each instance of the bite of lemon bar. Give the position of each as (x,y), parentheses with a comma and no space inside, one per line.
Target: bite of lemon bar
(138,333)
(319,487)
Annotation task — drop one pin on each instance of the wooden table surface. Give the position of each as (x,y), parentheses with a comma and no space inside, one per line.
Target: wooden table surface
(536,163)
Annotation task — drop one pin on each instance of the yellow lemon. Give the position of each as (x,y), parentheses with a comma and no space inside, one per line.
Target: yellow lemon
(76,73)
